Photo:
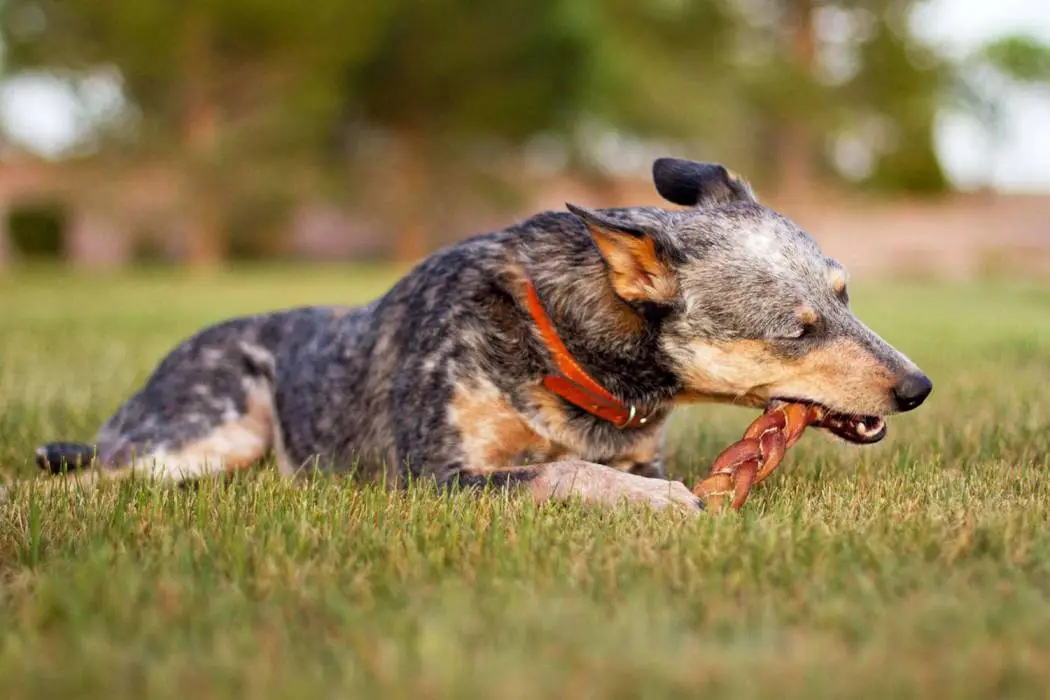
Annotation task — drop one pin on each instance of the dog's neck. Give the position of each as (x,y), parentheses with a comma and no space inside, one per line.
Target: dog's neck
(572,382)
(613,342)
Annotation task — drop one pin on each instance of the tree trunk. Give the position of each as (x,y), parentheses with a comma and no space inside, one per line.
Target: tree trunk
(5,237)
(203,246)
(412,194)
(794,140)
(204,243)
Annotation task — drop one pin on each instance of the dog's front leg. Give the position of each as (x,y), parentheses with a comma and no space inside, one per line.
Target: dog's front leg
(593,484)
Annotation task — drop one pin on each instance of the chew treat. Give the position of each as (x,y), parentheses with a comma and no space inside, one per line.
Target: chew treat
(749,461)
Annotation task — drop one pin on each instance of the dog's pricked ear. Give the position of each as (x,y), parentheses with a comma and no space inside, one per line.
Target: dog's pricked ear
(637,270)
(693,184)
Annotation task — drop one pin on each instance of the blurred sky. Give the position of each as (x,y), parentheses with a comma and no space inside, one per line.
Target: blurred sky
(41,114)
(1021,158)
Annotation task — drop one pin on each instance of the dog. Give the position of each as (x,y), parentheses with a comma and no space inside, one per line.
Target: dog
(544,357)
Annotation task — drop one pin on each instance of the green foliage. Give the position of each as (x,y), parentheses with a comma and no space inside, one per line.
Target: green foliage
(1021,58)
(457,68)
(36,231)
(657,68)
(981,83)
(915,568)
(898,85)
(266,59)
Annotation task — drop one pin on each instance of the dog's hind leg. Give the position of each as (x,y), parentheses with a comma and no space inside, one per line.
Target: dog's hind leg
(207,409)
(593,484)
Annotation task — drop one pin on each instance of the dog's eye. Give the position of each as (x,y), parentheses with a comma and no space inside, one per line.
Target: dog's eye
(804,331)
(808,321)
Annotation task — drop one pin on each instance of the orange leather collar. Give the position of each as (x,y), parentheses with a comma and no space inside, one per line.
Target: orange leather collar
(574,384)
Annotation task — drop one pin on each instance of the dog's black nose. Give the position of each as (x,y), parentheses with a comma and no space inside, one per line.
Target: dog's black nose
(912,390)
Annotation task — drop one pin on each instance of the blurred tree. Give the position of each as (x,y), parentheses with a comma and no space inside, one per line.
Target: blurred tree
(661,70)
(894,94)
(838,91)
(983,79)
(212,84)
(1023,59)
(791,91)
(450,79)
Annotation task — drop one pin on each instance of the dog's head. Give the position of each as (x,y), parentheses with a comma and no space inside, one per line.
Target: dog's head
(752,311)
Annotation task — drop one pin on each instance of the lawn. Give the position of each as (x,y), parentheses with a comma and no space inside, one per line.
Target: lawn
(919,567)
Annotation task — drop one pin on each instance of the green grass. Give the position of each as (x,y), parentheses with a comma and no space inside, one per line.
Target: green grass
(919,567)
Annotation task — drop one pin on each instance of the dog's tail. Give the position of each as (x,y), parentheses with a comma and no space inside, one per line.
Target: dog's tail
(60,457)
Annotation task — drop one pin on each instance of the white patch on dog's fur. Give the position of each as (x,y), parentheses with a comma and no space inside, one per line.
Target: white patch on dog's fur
(761,242)
(212,357)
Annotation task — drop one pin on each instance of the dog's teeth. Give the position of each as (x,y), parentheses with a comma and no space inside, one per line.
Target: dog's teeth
(865,430)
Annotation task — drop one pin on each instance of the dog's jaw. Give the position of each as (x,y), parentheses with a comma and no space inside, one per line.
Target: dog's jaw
(856,428)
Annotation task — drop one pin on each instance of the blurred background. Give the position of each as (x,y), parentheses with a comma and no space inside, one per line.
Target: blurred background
(908,137)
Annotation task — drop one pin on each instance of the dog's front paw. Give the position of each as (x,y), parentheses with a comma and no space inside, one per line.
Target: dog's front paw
(598,484)
(661,494)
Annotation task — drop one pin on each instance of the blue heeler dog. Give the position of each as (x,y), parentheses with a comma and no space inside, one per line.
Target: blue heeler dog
(545,358)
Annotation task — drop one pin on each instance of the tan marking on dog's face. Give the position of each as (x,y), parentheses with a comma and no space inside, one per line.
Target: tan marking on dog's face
(729,371)
(837,280)
(636,270)
(807,315)
(841,375)
(492,433)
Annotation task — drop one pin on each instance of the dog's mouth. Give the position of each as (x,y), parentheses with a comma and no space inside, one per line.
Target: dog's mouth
(858,429)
